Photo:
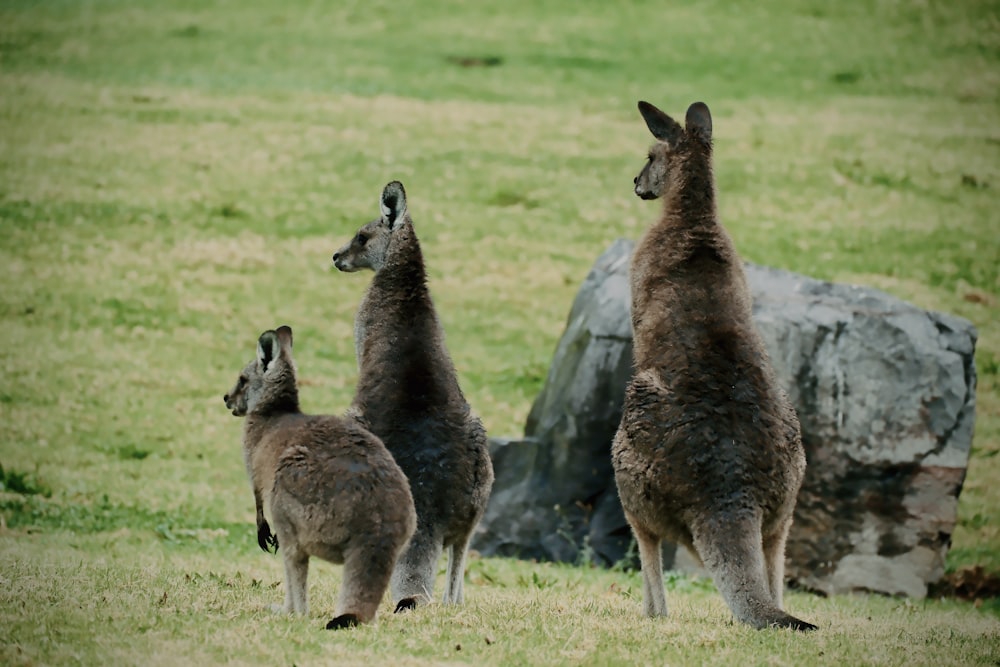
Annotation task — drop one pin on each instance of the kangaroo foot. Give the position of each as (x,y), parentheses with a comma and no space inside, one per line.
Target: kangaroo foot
(343,621)
(406,604)
(788,621)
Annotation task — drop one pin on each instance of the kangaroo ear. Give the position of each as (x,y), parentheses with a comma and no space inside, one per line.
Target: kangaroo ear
(268,347)
(699,120)
(660,124)
(393,203)
(285,335)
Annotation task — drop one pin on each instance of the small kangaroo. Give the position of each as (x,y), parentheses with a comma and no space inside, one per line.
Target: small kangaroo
(708,453)
(408,395)
(333,489)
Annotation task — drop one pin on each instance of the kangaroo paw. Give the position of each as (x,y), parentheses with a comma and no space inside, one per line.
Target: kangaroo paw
(265,538)
(406,604)
(343,621)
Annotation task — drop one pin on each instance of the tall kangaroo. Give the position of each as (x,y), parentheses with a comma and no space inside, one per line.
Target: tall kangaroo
(332,488)
(708,453)
(408,395)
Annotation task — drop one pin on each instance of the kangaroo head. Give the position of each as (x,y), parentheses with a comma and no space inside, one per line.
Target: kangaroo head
(674,145)
(369,248)
(269,379)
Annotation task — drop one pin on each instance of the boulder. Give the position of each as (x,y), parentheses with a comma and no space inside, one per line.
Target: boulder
(885,393)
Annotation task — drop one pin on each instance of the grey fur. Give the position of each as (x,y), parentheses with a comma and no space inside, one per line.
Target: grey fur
(408,394)
(708,453)
(331,487)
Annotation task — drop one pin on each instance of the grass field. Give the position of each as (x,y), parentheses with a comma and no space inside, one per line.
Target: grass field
(175,176)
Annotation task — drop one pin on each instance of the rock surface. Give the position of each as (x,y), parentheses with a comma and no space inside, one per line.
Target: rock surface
(885,394)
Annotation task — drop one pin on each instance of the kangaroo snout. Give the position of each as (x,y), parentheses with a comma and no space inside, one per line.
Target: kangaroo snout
(233,405)
(341,262)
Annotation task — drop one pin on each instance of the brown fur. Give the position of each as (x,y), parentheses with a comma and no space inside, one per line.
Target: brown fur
(332,489)
(708,453)
(408,395)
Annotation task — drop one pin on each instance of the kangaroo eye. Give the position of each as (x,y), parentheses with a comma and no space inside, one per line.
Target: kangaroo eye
(243,379)
(362,239)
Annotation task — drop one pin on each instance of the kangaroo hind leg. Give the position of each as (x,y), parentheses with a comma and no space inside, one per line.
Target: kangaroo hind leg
(455,579)
(366,577)
(296,564)
(412,581)
(654,599)
(774,562)
(733,552)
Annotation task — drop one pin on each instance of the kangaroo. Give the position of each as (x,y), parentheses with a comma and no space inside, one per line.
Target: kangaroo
(408,395)
(708,453)
(333,489)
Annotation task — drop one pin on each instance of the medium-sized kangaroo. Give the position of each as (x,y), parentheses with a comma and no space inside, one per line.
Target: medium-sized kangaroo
(408,395)
(332,488)
(708,453)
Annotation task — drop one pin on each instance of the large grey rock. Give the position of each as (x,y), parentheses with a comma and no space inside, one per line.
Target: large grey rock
(885,393)
(886,396)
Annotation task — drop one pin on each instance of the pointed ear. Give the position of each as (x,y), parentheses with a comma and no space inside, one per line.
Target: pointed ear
(699,120)
(660,124)
(285,335)
(393,203)
(268,347)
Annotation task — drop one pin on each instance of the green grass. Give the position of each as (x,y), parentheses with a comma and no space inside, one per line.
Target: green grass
(140,600)
(175,176)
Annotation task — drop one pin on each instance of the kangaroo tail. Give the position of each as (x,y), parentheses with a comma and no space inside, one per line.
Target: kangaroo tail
(732,551)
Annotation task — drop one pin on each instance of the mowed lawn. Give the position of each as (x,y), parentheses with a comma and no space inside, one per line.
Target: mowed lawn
(174,177)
